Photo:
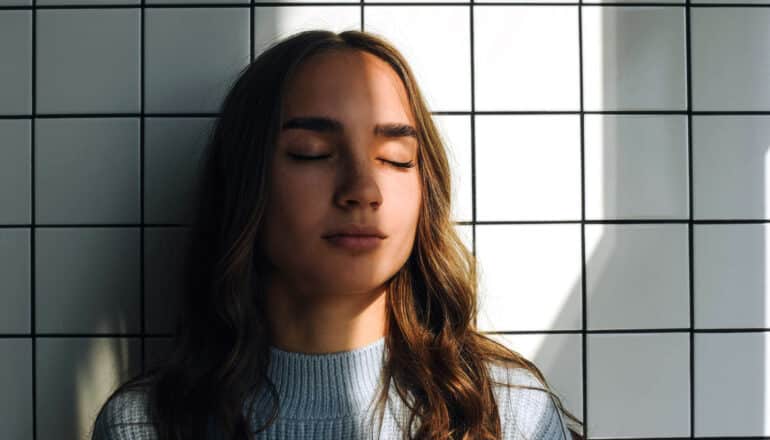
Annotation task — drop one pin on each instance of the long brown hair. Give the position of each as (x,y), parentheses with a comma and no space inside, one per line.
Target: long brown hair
(220,350)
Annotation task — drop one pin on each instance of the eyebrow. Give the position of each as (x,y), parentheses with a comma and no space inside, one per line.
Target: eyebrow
(329,125)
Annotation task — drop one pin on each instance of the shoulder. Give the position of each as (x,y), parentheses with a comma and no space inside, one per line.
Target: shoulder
(528,414)
(124,417)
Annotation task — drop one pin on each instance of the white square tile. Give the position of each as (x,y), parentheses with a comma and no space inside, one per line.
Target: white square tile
(730,163)
(636,166)
(637,276)
(416,1)
(634,58)
(75,376)
(559,359)
(274,23)
(16,171)
(15,286)
(192,2)
(456,132)
(87,170)
(730,62)
(16,70)
(88,60)
(164,277)
(527,167)
(731,386)
(530,277)
(530,1)
(192,56)
(681,2)
(16,383)
(156,350)
(86,2)
(527,58)
(87,280)
(356,2)
(434,40)
(731,265)
(755,2)
(173,149)
(638,385)
(466,235)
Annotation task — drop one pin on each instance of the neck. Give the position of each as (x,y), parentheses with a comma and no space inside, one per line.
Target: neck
(321,322)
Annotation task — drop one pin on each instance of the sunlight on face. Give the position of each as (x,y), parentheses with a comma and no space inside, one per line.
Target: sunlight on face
(356,180)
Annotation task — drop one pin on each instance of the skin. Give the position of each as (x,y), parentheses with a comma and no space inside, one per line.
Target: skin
(321,298)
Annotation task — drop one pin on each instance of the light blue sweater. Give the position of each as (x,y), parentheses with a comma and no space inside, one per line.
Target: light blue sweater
(331,396)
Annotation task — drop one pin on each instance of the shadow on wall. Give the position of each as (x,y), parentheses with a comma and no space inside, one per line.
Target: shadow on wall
(99,364)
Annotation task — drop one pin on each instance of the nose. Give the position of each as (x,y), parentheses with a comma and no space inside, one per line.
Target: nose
(358,185)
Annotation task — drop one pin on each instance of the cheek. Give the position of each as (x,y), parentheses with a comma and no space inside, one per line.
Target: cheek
(409,200)
(299,196)
(292,213)
(409,196)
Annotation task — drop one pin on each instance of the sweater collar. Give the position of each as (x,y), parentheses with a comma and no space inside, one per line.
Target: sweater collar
(326,385)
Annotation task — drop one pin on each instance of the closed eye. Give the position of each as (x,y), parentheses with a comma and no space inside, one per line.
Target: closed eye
(409,164)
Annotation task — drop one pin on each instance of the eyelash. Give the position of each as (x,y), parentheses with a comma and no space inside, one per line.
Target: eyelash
(409,164)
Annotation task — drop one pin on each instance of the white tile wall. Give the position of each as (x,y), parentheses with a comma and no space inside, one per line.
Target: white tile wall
(609,165)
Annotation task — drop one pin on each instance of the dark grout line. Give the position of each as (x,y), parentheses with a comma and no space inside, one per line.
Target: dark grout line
(410,4)
(474,222)
(142,20)
(92,225)
(690,240)
(252,11)
(583,263)
(497,332)
(453,112)
(33,287)
(82,335)
(471,223)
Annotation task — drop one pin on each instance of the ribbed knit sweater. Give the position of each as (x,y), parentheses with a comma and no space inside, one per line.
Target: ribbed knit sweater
(332,396)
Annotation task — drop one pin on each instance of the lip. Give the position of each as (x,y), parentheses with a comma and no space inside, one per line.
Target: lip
(356,242)
(357,231)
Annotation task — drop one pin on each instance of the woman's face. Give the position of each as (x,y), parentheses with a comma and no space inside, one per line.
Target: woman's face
(355,183)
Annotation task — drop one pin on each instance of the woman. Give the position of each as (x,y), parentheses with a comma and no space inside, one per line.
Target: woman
(327,292)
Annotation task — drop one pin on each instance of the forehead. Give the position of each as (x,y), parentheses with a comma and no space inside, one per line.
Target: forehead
(347,82)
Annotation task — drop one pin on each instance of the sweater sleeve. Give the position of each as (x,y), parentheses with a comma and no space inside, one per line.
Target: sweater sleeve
(528,414)
(124,417)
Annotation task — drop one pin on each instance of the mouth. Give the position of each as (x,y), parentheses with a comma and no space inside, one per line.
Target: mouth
(355,242)
(357,230)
